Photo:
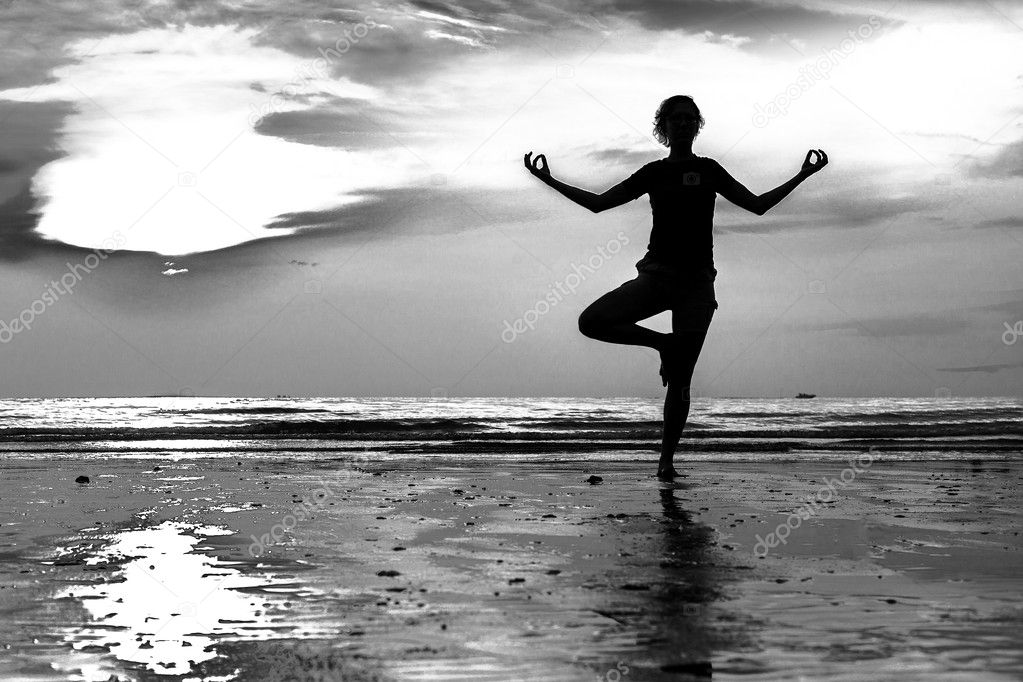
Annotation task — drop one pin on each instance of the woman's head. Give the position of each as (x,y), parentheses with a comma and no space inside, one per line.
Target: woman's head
(678,117)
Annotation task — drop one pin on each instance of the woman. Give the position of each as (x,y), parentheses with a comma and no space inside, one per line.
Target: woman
(677,273)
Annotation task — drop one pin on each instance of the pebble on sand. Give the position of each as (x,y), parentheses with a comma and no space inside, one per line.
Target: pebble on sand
(594,480)
(82,479)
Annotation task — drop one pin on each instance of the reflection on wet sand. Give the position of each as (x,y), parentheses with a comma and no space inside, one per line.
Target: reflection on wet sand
(168,605)
(691,584)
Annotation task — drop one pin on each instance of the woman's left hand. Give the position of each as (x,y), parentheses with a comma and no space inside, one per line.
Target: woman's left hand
(809,166)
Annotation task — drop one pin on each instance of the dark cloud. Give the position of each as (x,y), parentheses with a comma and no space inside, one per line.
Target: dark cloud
(517,16)
(345,123)
(390,46)
(987,369)
(767,24)
(867,206)
(1012,222)
(843,209)
(375,211)
(18,219)
(418,209)
(8,165)
(625,157)
(380,213)
(1012,307)
(1006,163)
(913,325)
(29,132)
(743,222)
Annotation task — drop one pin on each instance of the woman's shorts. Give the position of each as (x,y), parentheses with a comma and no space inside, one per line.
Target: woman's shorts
(680,290)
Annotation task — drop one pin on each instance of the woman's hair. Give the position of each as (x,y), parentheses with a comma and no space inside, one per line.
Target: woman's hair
(661,126)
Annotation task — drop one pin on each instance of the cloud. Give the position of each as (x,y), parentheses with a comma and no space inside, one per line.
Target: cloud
(624,156)
(859,207)
(913,325)
(1009,221)
(987,369)
(1012,307)
(30,142)
(415,210)
(1006,163)
(763,25)
(346,123)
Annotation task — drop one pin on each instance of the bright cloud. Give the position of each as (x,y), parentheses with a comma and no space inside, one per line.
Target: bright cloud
(161,147)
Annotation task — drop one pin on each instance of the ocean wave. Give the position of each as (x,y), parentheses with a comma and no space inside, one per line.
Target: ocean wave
(506,425)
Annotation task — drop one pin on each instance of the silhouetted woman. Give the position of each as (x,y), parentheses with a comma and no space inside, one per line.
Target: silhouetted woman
(677,273)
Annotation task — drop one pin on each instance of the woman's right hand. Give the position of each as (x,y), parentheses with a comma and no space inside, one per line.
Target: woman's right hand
(533,166)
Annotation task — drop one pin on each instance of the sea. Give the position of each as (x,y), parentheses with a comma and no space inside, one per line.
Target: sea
(522,429)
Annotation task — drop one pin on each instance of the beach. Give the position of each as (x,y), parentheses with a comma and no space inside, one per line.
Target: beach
(168,566)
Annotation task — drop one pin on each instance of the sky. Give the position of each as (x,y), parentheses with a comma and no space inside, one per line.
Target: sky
(313,199)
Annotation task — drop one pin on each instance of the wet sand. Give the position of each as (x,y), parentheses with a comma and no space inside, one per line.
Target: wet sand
(265,570)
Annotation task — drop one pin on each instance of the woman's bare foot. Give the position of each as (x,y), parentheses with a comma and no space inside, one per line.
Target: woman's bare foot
(668,472)
(667,365)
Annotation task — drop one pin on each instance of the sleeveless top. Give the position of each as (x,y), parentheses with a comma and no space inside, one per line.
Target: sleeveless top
(682,198)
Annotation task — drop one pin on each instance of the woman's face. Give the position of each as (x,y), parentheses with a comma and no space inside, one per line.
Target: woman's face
(683,122)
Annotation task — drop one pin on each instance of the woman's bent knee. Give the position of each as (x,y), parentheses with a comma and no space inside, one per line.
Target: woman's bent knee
(590,324)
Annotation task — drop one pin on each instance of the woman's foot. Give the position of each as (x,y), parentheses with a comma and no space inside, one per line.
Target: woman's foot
(667,364)
(667,472)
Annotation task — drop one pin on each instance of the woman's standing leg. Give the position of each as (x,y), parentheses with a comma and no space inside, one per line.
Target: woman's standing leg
(689,329)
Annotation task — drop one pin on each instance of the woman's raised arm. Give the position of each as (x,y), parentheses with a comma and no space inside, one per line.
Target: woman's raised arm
(736,192)
(616,196)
